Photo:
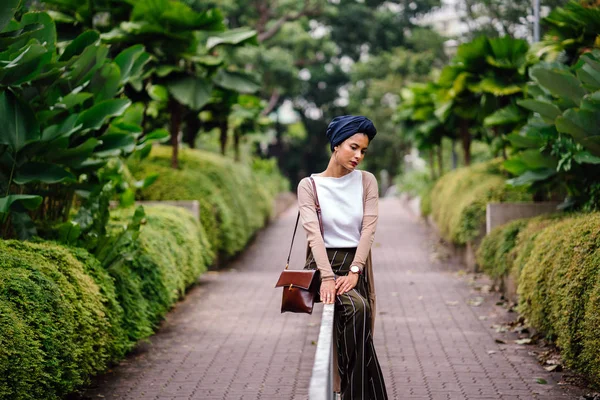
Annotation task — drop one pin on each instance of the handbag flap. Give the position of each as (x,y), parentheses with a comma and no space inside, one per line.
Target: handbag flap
(298,278)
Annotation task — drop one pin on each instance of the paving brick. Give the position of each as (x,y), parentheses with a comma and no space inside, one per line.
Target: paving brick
(227,339)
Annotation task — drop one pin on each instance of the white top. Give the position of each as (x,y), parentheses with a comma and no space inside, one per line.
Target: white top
(341,202)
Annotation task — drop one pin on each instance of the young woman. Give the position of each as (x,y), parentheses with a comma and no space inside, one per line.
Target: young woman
(348,199)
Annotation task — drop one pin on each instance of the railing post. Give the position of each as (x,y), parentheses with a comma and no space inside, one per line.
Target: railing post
(321,381)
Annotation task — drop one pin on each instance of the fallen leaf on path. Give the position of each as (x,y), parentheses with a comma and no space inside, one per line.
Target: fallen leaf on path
(541,381)
(524,341)
(475,302)
(551,368)
(500,341)
(491,352)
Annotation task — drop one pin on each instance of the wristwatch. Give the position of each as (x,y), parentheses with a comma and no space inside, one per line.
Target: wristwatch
(356,269)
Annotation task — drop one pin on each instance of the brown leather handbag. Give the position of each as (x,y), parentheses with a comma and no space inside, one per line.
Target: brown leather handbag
(300,287)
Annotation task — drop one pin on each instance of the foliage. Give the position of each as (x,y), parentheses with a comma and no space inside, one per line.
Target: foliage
(558,285)
(234,203)
(459,198)
(414,183)
(64,328)
(560,146)
(494,252)
(62,129)
(572,30)
(168,256)
(66,316)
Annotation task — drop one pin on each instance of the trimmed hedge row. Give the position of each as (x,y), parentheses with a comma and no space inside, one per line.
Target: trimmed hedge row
(64,318)
(458,200)
(556,261)
(234,200)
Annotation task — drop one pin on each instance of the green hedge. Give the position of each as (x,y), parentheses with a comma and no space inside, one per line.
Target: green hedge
(57,325)
(64,318)
(556,262)
(235,201)
(458,199)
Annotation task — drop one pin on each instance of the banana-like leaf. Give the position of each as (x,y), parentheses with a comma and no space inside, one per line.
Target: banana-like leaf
(158,92)
(106,82)
(131,61)
(28,201)
(74,156)
(233,37)
(96,116)
(24,65)
(505,116)
(65,129)
(19,125)
(560,82)
(547,110)
(42,172)
(582,125)
(495,87)
(78,45)
(191,91)
(237,81)
(530,177)
(585,157)
(7,10)
(536,160)
(115,144)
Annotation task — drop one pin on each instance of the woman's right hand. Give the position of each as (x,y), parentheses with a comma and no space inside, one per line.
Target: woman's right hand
(327,291)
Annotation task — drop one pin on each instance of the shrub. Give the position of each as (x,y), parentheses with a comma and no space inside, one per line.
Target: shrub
(557,288)
(494,252)
(234,202)
(459,199)
(54,321)
(168,256)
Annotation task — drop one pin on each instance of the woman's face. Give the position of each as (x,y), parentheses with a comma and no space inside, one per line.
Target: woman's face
(351,151)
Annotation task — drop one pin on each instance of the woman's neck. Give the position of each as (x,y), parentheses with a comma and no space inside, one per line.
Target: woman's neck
(334,170)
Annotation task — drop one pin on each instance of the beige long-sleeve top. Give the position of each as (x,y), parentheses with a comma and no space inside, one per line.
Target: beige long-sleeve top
(310,222)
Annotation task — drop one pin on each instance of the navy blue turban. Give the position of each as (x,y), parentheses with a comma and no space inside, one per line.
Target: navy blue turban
(341,128)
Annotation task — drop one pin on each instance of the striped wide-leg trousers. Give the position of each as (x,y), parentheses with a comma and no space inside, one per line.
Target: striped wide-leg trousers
(360,373)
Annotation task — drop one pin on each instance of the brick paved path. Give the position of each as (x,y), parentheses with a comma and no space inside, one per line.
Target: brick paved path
(227,340)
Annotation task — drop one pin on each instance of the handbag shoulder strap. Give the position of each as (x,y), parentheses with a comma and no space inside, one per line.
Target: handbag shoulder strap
(318,208)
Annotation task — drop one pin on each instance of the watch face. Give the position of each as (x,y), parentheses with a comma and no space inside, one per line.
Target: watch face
(354,269)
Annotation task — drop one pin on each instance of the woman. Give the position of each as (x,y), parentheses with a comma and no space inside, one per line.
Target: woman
(348,200)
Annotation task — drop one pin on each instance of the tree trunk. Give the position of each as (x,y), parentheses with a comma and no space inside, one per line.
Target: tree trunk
(175,110)
(454,155)
(440,156)
(466,140)
(236,144)
(224,127)
(192,126)
(431,164)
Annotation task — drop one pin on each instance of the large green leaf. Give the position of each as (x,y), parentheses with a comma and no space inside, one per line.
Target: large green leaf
(75,156)
(84,65)
(78,45)
(582,125)
(236,81)
(7,10)
(585,157)
(96,116)
(530,177)
(560,82)
(106,82)
(127,61)
(495,87)
(24,65)
(536,160)
(28,201)
(19,125)
(191,91)
(233,37)
(64,129)
(547,110)
(42,172)
(115,144)
(46,35)
(505,116)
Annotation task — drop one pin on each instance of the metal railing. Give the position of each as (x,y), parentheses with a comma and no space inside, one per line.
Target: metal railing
(321,381)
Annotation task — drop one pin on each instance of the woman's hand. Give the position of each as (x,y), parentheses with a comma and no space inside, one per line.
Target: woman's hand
(344,284)
(327,291)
